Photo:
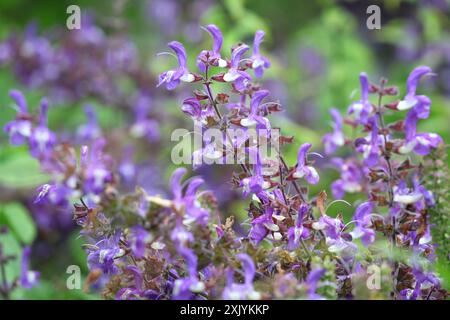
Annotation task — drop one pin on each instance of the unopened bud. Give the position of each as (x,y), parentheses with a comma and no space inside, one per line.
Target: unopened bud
(200,95)
(373,88)
(392,105)
(218,77)
(222,98)
(391,91)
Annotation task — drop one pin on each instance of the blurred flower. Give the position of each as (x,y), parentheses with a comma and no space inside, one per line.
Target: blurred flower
(351,177)
(336,139)
(90,130)
(311,281)
(245,291)
(28,279)
(42,139)
(19,130)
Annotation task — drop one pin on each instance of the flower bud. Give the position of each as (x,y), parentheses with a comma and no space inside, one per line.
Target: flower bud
(200,95)
(392,105)
(391,91)
(218,77)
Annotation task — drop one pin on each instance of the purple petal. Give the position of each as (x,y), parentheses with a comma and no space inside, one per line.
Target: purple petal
(414,78)
(301,156)
(20,100)
(27,278)
(259,37)
(311,176)
(337,118)
(175,182)
(138,278)
(236,55)
(43,113)
(179,50)
(217,37)
(422,107)
(257,97)
(248,266)
(364,86)
(193,186)
(363,210)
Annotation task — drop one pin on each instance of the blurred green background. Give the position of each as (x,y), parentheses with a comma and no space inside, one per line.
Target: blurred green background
(317,50)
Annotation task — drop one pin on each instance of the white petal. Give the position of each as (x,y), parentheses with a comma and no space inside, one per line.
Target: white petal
(246,122)
(188,77)
(408,198)
(230,76)
(406,104)
(222,63)
(271,226)
(407,148)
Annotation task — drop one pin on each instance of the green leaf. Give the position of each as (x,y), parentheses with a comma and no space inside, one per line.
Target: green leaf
(77,253)
(443,269)
(19,170)
(18,219)
(11,247)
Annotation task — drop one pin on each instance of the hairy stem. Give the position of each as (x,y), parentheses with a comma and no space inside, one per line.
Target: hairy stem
(387,158)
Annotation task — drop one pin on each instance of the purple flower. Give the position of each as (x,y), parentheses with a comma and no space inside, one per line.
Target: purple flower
(19,130)
(137,291)
(28,278)
(173,77)
(369,146)
(56,194)
(427,195)
(96,171)
(261,226)
(298,232)
(259,62)
(405,195)
(212,57)
(302,169)
(193,108)
(90,130)
(127,168)
(420,143)
(351,179)
(143,126)
(411,100)
(417,195)
(139,237)
(187,202)
(363,222)
(185,287)
(245,291)
(311,281)
(332,228)
(103,255)
(256,183)
(421,277)
(336,139)
(254,119)
(238,77)
(362,108)
(42,139)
